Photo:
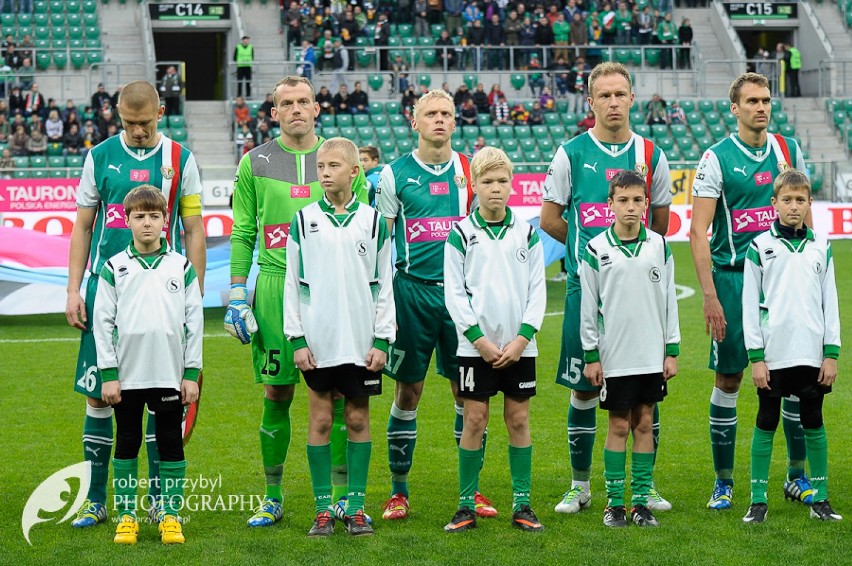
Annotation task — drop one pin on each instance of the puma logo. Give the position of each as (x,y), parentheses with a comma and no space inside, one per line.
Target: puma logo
(266,157)
(573,442)
(400,449)
(93,450)
(592,167)
(722,433)
(415,181)
(741,170)
(116,167)
(270,434)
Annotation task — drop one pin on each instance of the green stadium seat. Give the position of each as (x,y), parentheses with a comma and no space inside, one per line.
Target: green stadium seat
(437,29)
(485,119)
(92,32)
(788,130)
(394,41)
(7,30)
(75,20)
(72,6)
(723,105)
(509,145)
(387,145)
(93,43)
(652,57)
(729,119)
(377,108)
(678,130)
(405,146)
(772,128)
(780,118)
(538,132)
(839,118)
(90,19)
(776,105)
(459,145)
(470,80)
(488,132)
(523,132)
(330,132)
(343,120)
(636,56)
(505,132)
(687,105)
(7,20)
(691,155)
(42,32)
(57,19)
(56,6)
(698,130)
(42,44)
(521,169)
(470,132)
(56,162)
(409,42)
(718,131)
(376,81)
(41,19)
(712,118)
(401,132)
(552,119)
(177,121)
(704,143)
(383,132)
(429,57)
(515,156)
(94,56)
(60,59)
(693,118)
(348,132)
(40,7)
(683,142)
(38,161)
(74,161)
(58,173)
(637,117)
(705,106)
(518,81)
(78,59)
(622,56)
(426,41)
(557,132)
(425,80)
(405,30)
(75,33)
(665,143)
(378,119)
(643,130)
(568,118)
(674,153)
(366,134)
(59,43)
(42,60)
(659,131)
(360,41)
(527,145)
(361,120)
(532,157)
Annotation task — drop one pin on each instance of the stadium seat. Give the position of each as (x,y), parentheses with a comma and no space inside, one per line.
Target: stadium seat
(552,119)
(683,142)
(515,156)
(378,119)
(678,130)
(330,132)
(437,29)
(693,118)
(788,130)
(360,120)
(772,128)
(545,145)
(488,132)
(659,131)
(348,132)
(635,57)
(459,145)
(557,133)
(509,145)
(401,132)
(177,121)
(470,80)
(93,43)
(643,130)
(780,118)
(776,105)
(60,59)
(377,108)
(704,143)
(7,19)
(72,6)
(94,56)
(38,161)
(673,153)
(518,81)
(42,32)
(698,130)
(470,132)
(42,60)
(90,19)
(387,145)
(394,41)
(691,155)
(426,41)
(179,135)
(56,162)
(405,146)
(637,117)
(409,42)
(92,32)
(343,120)
(41,19)
(538,132)
(383,132)
(569,118)
(712,118)
(665,143)
(425,80)
(57,19)
(723,105)
(527,145)
(376,81)
(59,43)
(729,119)
(78,59)
(532,157)
(705,106)
(365,58)
(687,105)
(652,57)
(75,34)
(74,161)
(75,20)
(405,30)
(485,119)
(505,132)
(521,169)
(523,132)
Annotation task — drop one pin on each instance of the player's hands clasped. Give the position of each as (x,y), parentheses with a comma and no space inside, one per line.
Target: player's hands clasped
(239,320)
(511,353)
(828,372)
(111,392)
(376,359)
(188,391)
(594,373)
(760,375)
(714,318)
(304,359)
(489,352)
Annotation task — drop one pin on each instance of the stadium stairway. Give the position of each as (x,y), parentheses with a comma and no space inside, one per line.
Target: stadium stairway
(839,36)
(717,78)
(210,137)
(813,129)
(260,21)
(122,39)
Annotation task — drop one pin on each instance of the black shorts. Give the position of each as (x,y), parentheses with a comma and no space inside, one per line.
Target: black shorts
(478,380)
(801,381)
(629,391)
(352,381)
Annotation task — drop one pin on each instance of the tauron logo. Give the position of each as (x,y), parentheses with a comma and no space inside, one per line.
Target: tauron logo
(48,496)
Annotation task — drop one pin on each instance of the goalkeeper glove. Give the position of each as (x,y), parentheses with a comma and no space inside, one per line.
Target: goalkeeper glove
(239,320)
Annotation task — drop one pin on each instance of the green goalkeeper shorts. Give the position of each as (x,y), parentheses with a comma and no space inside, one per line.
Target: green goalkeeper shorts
(729,356)
(271,352)
(87,379)
(424,325)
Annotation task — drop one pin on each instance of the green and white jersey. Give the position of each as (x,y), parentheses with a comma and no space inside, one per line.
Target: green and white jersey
(790,313)
(148,319)
(112,169)
(494,282)
(628,312)
(426,201)
(740,179)
(578,179)
(339,288)
(272,184)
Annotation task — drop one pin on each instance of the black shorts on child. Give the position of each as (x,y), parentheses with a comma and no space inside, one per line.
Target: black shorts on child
(478,380)
(629,391)
(801,381)
(352,381)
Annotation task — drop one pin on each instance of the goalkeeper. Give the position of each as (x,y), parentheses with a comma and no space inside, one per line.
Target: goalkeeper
(273,182)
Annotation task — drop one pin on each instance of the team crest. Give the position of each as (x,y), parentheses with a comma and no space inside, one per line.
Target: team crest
(782,166)
(167,172)
(461,182)
(642,169)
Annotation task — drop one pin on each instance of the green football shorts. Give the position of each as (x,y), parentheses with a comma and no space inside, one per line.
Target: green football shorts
(570,370)
(87,379)
(729,356)
(271,352)
(423,325)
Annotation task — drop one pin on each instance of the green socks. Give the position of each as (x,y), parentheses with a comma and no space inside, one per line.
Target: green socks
(319,461)
(469,465)
(358,456)
(520,465)
(402,437)
(761,456)
(274,443)
(614,466)
(582,427)
(97,449)
(124,482)
(723,433)
(641,476)
(339,437)
(817,443)
(171,478)
(795,434)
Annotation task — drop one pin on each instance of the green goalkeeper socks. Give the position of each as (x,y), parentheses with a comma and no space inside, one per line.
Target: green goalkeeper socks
(97,449)
(274,443)
(402,437)
(796,451)
(358,454)
(723,433)
(172,475)
(615,463)
(520,466)
(319,461)
(582,427)
(338,439)
(761,456)
(125,481)
(817,442)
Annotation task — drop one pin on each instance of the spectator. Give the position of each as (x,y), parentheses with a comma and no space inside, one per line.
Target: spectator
(480,143)
(400,72)
(5,129)
(461,95)
(421,21)
(494,94)
(468,115)
(572,10)
(339,64)
(766,66)
(543,36)
(53,127)
(7,41)
(37,144)
(308,60)
(248,145)
(381,39)
(7,164)
(325,46)
(325,101)
(18,141)
(536,114)
(512,34)
(433,14)
(794,65)
(69,107)
(471,14)
(408,100)
(349,32)
(107,119)
(36,123)
(34,103)
(72,141)
(113,100)
(170,91)
(243,133)
(446,51)
(586,123)
(623,24)
(676,114)
(244,58)
(359,100)
(12,58)
(264,133)
(242,113)
(607,19)
(552,14)
(559,71)
(25,73)
(310,26)
(268,105)
(460,49)
(112,130)
(500,114)
(453,13)
(494,39)
(4,108)
(475,41)
(684,35)
(561,36)
(100,98)
(341,101)
(548,103)
(480,99)
(657,105)
(18,120)
(259,118)
(667,35)
(519,114)
(578,85)
(645,23)
(527,40)
(535,79)
(286,22)
(91,136)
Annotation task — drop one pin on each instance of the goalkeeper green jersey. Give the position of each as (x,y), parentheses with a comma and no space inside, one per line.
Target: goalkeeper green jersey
(578,179)
(272,184)
(112,169)
(740,179)
(425,201)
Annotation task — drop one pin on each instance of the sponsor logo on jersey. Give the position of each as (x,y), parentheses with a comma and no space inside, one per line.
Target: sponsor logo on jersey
(461,182)
(412,180)
(605,260)
(522,255)
(442,188)
(300,191)
(610,173)
(314,227)
(167,172)
(526,385)
(361,247)
(769,253)
(654,275)
(117,168)
(266,157)
(173,286)
(140,175)
(275,235)
(754,219)
(115,216)
(762,178)
(121,271)
(741,170)
(782,166)
(642,169)
(472,241)
(429,229)
(817,267)
(593,167)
